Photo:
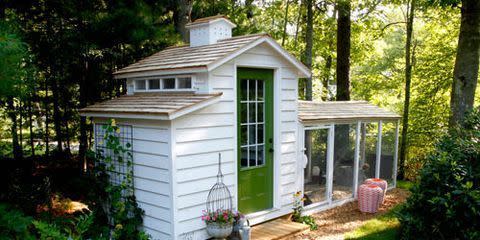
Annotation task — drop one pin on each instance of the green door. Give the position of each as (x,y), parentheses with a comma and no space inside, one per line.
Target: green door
(255,139)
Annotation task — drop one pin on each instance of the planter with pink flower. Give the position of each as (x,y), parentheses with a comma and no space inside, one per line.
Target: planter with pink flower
(219,223)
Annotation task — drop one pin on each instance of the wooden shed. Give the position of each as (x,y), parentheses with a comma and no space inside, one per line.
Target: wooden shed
(220,94)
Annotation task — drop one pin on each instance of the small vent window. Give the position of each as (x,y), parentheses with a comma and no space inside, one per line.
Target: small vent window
(174,83)
(185,83)
(154,84)
(140,85)
(169,83)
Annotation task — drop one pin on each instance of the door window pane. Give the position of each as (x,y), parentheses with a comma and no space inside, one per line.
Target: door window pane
(343,161)
(244,156)
(251,121)
(368,151)
(260,154)
(243,90)
(252,90)
(388,151)
(315,172)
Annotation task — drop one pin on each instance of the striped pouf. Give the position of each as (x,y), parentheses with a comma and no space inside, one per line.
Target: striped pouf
(378,182)
(369,198)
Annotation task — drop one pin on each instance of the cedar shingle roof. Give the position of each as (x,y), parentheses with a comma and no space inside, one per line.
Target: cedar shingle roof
(186,57)
(162,105)
(312,112)
(207,19)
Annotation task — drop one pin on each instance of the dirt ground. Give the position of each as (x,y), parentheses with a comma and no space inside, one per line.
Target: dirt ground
(334,223)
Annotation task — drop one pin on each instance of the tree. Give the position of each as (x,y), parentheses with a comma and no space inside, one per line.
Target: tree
(309,47)
(182,11)
(465,73)
(408,79)
(343,50)
(13,53)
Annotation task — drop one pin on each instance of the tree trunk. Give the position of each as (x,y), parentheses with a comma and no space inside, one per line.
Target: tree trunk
(30,125)
(83,103)
(285,21)
(17,152)
(408,79)
(20,125)
(299,17)
(56,115)
(47,119)
(465,73)
(309,48)
(181,16)
(343,50)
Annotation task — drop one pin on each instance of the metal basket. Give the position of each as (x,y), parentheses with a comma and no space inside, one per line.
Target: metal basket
(219,197)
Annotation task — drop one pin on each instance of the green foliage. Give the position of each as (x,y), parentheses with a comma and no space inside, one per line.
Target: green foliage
(298,210)
(125,215)
(14,224)
(13,53)
(445,204)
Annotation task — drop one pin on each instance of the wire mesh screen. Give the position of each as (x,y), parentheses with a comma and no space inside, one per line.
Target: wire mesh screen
(119,160)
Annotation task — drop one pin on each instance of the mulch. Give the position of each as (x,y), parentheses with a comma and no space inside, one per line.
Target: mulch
(335,222)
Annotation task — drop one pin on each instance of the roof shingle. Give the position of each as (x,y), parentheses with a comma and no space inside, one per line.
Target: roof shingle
(189,57)
(314,112)
(157,104)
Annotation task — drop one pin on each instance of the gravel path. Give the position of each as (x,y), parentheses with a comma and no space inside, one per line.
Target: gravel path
(334,223)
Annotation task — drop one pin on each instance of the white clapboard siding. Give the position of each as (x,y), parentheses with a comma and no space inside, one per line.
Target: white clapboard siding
(152,175)
(198,137)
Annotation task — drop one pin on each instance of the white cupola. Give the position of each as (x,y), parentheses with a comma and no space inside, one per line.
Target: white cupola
(209,30)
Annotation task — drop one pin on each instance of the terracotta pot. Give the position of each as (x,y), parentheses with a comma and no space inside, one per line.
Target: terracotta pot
(219,231)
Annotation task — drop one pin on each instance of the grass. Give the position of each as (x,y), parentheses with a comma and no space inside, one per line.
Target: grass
(383,227)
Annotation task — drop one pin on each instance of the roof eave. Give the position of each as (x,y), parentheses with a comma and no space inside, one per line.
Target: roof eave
(150,73)
(303,71)
(154,116)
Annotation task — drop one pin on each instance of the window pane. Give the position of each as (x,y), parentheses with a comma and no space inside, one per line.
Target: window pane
(251,134)
(244,157)
(343,161)
(184,83)
(251,113)
(388,151)
(260,156)
(253,157)
(260,133)
(243,135)
(140,85)
(368,151)
(168,83)
(315,173)
(243,90)
(243,112)
(260,112)
(260,92)
(251,89)
(154,84)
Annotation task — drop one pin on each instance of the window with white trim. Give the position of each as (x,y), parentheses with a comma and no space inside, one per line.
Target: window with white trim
(171,83)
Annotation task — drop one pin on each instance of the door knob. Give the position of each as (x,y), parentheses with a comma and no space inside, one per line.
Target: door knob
(271,150)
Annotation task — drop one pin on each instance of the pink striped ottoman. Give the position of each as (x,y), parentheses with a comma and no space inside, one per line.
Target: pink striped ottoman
(379,182)
(369,198)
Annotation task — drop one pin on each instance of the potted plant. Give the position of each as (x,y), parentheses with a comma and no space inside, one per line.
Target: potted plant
(219,223)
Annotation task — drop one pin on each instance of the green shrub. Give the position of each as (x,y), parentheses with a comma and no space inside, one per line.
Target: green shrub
(14,224)
(445,203)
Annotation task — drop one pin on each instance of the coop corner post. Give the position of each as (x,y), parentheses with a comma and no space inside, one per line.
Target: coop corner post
(395,156)
(379,150)
(356,167)
(331,142)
